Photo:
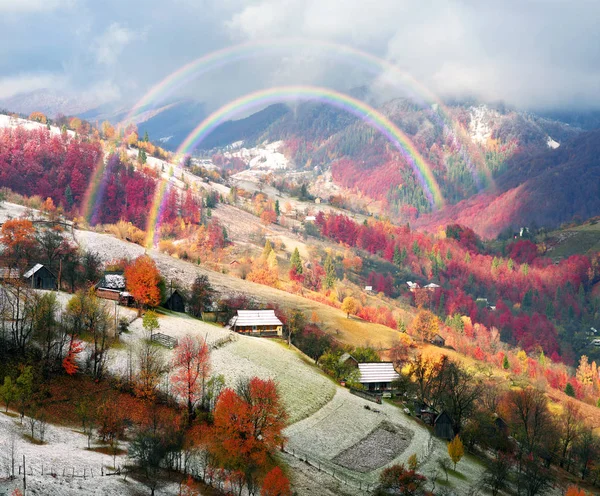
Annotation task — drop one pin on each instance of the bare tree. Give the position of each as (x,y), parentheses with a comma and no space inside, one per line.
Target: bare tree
(571,423)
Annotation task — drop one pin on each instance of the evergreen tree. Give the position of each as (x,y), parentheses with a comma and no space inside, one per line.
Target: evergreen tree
(415,248)
(296,261)
(142,157)
(146,138)
(505,364)
(397,256)
(569,390)
(277,211)
(69,196)
(329,272)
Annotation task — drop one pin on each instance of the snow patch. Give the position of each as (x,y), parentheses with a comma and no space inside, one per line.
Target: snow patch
(481,123)
(264,156)
(8,121)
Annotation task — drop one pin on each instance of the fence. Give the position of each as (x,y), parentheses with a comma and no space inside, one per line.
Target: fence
(230,338)
(339,473)
(365,395)
(166,341)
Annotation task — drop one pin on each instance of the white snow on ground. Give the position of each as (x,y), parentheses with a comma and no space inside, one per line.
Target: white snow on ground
(14,122)
(551,143)
(302,387)
(480,124)
(264,156)
(64,450)
(345,421)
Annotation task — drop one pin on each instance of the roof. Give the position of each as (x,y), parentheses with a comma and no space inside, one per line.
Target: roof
(255,318)
(32,271)
(346,356)
(377,372)
(310,218)
(438,337)
(112,281)
(432,285)
(443,416)
(412,285)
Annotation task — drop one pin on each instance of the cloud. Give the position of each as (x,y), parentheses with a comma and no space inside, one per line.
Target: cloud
(109,46)
(29,6)
(24,83)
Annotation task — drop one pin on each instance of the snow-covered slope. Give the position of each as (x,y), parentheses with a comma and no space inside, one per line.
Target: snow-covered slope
(264,156)
(14,122)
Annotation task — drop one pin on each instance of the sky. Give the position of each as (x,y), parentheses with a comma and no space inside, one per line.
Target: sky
(526,54)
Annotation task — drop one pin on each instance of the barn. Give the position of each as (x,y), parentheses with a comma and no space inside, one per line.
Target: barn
(40,277)
(257,323)
(175,302)
(377,376)
(442,426)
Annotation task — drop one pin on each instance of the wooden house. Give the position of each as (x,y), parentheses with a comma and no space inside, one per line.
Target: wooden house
(442,426)
(257,323)
(438,340)
(176,302)
(377,376)
(40,277)
(112,287)
(501,426)
(432,286)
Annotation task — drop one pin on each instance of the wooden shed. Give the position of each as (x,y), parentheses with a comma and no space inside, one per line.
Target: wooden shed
(443,426)
(438,340)
(176,302)
(40,277)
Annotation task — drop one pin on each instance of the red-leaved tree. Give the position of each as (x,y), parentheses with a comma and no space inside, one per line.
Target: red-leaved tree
(142,278)
(192,365)
(275,484)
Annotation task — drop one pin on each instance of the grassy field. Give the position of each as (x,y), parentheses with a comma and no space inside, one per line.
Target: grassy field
(574,240)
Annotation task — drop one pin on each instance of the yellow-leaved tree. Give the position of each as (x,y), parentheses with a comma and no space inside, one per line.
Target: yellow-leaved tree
(456,450)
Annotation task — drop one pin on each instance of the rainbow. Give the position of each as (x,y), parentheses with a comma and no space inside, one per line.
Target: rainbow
(367,61)
(156,211)
(94,192)
(360,109)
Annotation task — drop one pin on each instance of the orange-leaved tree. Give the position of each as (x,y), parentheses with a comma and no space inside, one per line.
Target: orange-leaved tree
(248,424)
(18,235)
(575,491)
(275,484)
(70,361)
(143,278)
(192,365)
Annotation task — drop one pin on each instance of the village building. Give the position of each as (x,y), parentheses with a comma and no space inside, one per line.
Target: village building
(112,287)
(40,277)
(442,426)
(413,286)
(310,218)
(438,340)
(377,376)
(348,360)
(432,286)
(257,323)
(175,302)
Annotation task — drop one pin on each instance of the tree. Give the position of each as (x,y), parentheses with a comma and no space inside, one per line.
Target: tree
(192,366)
(277,209)
(151,365)
(24,388)
(267,249)
(150,323)
(495,477)
(529,417)
(330,274)
(18,235)
(201,296)
(505,363)
(268,217)
(349,306)
(571,424)
(248,424)
(38,117)
(398,480)
(8,392)
(459,393)
(426,325)
(569,390)
(456,450)
(69,363)
(275,484)
(296,261)
(143,278)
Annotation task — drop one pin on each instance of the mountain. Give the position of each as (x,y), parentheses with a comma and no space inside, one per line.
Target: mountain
(50,102)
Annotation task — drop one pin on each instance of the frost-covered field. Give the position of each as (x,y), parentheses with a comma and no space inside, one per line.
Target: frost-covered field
(65,452)
(344,422)
(14,122)
(303,388)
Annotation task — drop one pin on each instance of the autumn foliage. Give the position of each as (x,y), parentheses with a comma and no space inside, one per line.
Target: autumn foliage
(142,278)
(276,484)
